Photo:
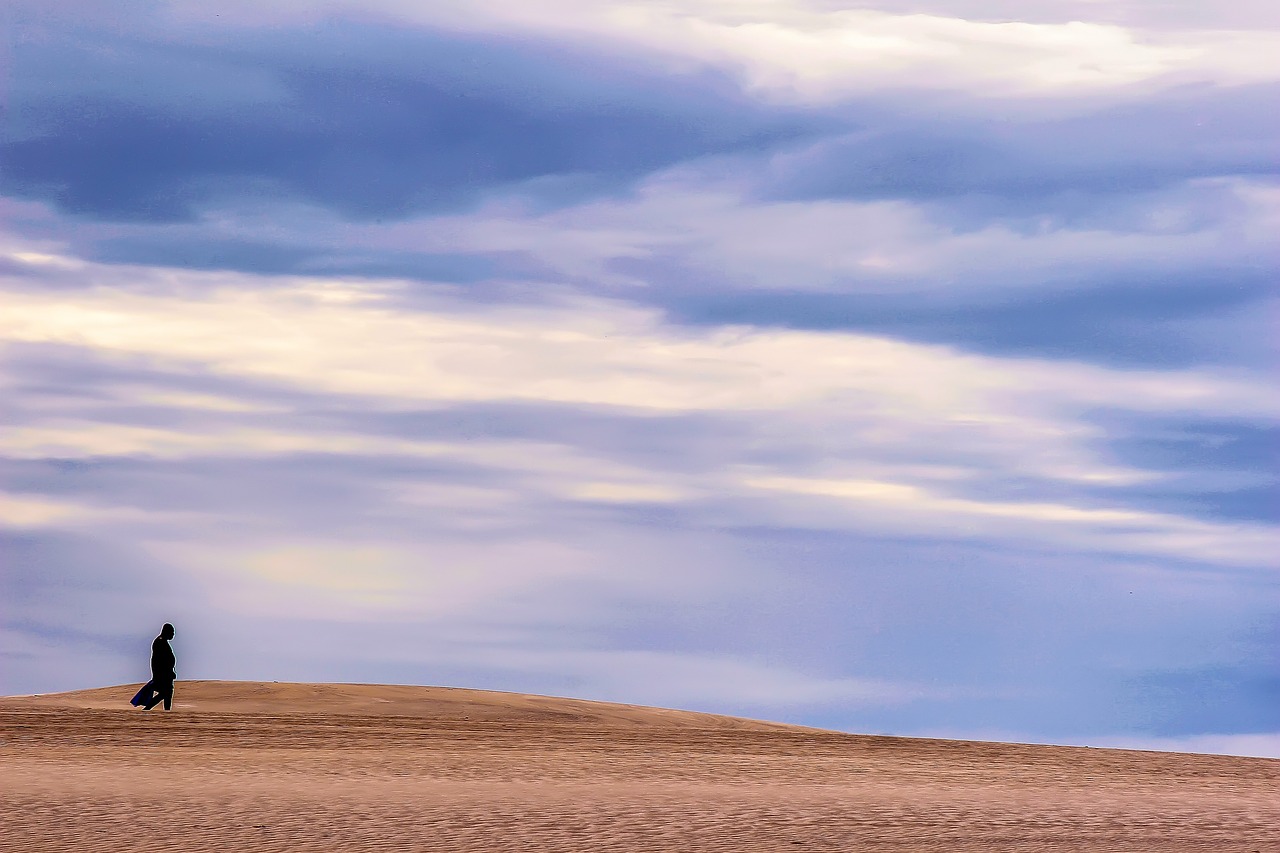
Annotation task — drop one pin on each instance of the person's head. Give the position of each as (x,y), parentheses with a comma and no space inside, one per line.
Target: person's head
(167,631)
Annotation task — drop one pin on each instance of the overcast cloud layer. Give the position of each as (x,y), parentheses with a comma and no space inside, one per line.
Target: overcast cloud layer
(903,369)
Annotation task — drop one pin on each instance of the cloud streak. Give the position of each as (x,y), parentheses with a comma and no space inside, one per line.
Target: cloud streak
(812,53)
(347,342)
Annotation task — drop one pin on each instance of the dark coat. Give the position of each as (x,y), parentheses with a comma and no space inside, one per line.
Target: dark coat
(162,661)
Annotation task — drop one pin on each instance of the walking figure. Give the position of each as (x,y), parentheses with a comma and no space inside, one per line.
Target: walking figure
(160,687)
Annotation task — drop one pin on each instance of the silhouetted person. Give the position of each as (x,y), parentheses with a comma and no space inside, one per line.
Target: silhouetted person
(163,674)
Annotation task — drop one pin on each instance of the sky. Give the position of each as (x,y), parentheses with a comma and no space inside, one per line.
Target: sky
(906,368)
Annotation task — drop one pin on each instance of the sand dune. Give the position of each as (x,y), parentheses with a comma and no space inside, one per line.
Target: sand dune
(323,767)
(428,703)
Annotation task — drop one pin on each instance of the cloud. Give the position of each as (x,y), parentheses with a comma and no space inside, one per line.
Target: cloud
(369,139)
(342,337)
(1134,232)
(888,506)
(717,233)
(1053,165)
(1212,467)
(810,52)
(890,402)
(1169,278)
(1165,278)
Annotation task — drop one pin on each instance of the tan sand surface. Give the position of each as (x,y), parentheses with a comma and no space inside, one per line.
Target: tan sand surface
(289,767)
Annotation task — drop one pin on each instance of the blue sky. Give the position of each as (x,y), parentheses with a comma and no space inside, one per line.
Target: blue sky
(903,369)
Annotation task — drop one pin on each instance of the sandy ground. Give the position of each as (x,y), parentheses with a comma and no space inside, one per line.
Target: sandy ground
(267,767)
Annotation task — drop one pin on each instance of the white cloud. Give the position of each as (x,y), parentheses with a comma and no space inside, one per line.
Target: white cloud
(859,419)
(350,338)
(33,512)
(706,222)
(811,52)
(716,229)
(347,581)
(883,506)
(22,512)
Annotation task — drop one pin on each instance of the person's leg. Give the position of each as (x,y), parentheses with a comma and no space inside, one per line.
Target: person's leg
(162,691)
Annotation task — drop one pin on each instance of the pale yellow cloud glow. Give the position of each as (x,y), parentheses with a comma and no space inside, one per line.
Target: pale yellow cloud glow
(357,576)
(336,578)
(345,338)
(26,511)
(879,505)
(43,260)
(626,493)
(856,413)
(20,511)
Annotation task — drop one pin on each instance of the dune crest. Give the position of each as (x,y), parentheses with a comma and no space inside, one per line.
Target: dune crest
(445,704)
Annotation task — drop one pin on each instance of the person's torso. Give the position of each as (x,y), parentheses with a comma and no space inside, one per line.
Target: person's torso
(162,660)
